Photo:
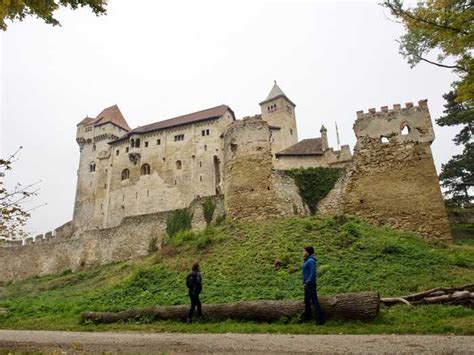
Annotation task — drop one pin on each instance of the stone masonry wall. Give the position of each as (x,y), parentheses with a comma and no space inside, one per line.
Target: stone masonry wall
(393,180)
(250,183)
(129,240)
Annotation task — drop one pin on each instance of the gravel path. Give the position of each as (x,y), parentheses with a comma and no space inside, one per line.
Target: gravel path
(79,342)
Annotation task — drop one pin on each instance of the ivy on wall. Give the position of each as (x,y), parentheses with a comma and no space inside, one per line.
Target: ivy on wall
(208,207)
(314,184)
(178,220)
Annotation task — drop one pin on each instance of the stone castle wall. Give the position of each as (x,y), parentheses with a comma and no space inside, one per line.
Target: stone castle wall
(130,240)
(393,179)
(252,189)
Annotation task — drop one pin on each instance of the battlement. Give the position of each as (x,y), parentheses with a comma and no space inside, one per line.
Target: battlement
(411,123)
(385,111)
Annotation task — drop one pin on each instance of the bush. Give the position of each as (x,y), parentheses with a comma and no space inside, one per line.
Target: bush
(314,184)
(152,247)
(178,220)
(208,207)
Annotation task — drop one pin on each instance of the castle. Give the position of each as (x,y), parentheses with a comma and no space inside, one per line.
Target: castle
(166,165)
(130,180)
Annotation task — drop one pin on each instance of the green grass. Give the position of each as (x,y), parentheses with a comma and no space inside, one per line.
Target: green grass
(237,262)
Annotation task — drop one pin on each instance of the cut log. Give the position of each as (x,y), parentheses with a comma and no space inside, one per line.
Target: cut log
(361,306)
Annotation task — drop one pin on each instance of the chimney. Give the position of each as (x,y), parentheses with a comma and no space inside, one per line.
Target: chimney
(324,138)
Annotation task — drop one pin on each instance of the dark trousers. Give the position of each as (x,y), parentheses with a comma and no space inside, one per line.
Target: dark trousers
(195,302)
(311,297)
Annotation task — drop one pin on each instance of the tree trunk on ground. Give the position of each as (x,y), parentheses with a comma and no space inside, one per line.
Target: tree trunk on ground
(360,306)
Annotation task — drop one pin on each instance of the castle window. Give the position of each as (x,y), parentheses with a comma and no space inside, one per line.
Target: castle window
(405,130)
(179,164)
(205,147)
(92,167)
(137,143)
(117,152)
(179,137)
(125,174)
(132,143)
(93,147)
(105,186)
(127,149)
(145,169)
(88,128)
(158,141)
(146,144)
(200,177)
(291,131)
(384,140)
(200,164)
(205,132)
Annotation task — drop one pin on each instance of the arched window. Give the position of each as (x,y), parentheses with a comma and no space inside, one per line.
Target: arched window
(92,167)
(145,169)
(179,164)
(405,129)
(137,142)
(125,174)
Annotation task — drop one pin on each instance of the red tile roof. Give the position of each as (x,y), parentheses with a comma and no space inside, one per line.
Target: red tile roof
(210,113)
(311,146)
(111,114)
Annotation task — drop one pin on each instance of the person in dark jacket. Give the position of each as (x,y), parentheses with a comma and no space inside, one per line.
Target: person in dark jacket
(194,284)
(309,283)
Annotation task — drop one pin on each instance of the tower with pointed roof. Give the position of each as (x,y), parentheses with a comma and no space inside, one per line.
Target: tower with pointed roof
(279,112)
(93,175)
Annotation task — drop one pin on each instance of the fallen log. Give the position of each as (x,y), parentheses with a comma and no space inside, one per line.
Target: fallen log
(462,295)
(360,306)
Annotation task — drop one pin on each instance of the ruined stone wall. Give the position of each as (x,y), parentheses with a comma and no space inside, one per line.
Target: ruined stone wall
(393,180)
(130,240)
(251,184)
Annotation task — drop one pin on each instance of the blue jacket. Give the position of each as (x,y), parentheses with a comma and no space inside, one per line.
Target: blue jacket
(309,270)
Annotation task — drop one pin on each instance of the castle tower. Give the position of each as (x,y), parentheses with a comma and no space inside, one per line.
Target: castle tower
(93,174)
(279,112)
(393,180)
(324,138)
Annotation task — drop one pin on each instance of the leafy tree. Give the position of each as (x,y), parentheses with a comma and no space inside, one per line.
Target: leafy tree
(44,9)
(457,175)
(13,216)
(446,27)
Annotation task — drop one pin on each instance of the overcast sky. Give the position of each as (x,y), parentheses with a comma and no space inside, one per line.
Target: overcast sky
(157,60)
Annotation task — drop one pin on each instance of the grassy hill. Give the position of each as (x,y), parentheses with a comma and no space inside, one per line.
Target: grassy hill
(237,261)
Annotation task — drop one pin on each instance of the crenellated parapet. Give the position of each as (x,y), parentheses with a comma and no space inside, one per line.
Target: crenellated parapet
(396,124)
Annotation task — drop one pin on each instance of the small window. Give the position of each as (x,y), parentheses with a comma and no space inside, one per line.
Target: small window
(145,169)
(146,144)
(92,167)
(179,164)
(200,178)
(205,132)
(179,137)
(132,143)
(291,131)
(205,147)
(137,143)
(105,186)
(405,130)
(158,142)
(200,164)
(94,147)
(125,174)
(117,152)
(126,150)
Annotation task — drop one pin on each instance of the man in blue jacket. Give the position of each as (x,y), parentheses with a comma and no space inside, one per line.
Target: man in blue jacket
(309,283)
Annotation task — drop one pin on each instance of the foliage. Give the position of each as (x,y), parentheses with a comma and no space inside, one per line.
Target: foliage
(13,216)
(208,207)
(152,247)
(444,26)
(457,175)
(314,184)
(239,265)
(178,220)
(19,9)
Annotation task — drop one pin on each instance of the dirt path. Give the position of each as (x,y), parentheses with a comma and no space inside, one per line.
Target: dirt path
(78,342)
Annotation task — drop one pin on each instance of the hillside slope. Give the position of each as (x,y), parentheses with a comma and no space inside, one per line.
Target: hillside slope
(237,261)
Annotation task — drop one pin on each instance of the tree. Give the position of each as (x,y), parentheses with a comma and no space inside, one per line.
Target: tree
(13,216)
(44,9)
(447,27)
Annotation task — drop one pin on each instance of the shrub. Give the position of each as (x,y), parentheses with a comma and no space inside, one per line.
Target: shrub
(178,220)
(314,184)
(208,207)
(152,247)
